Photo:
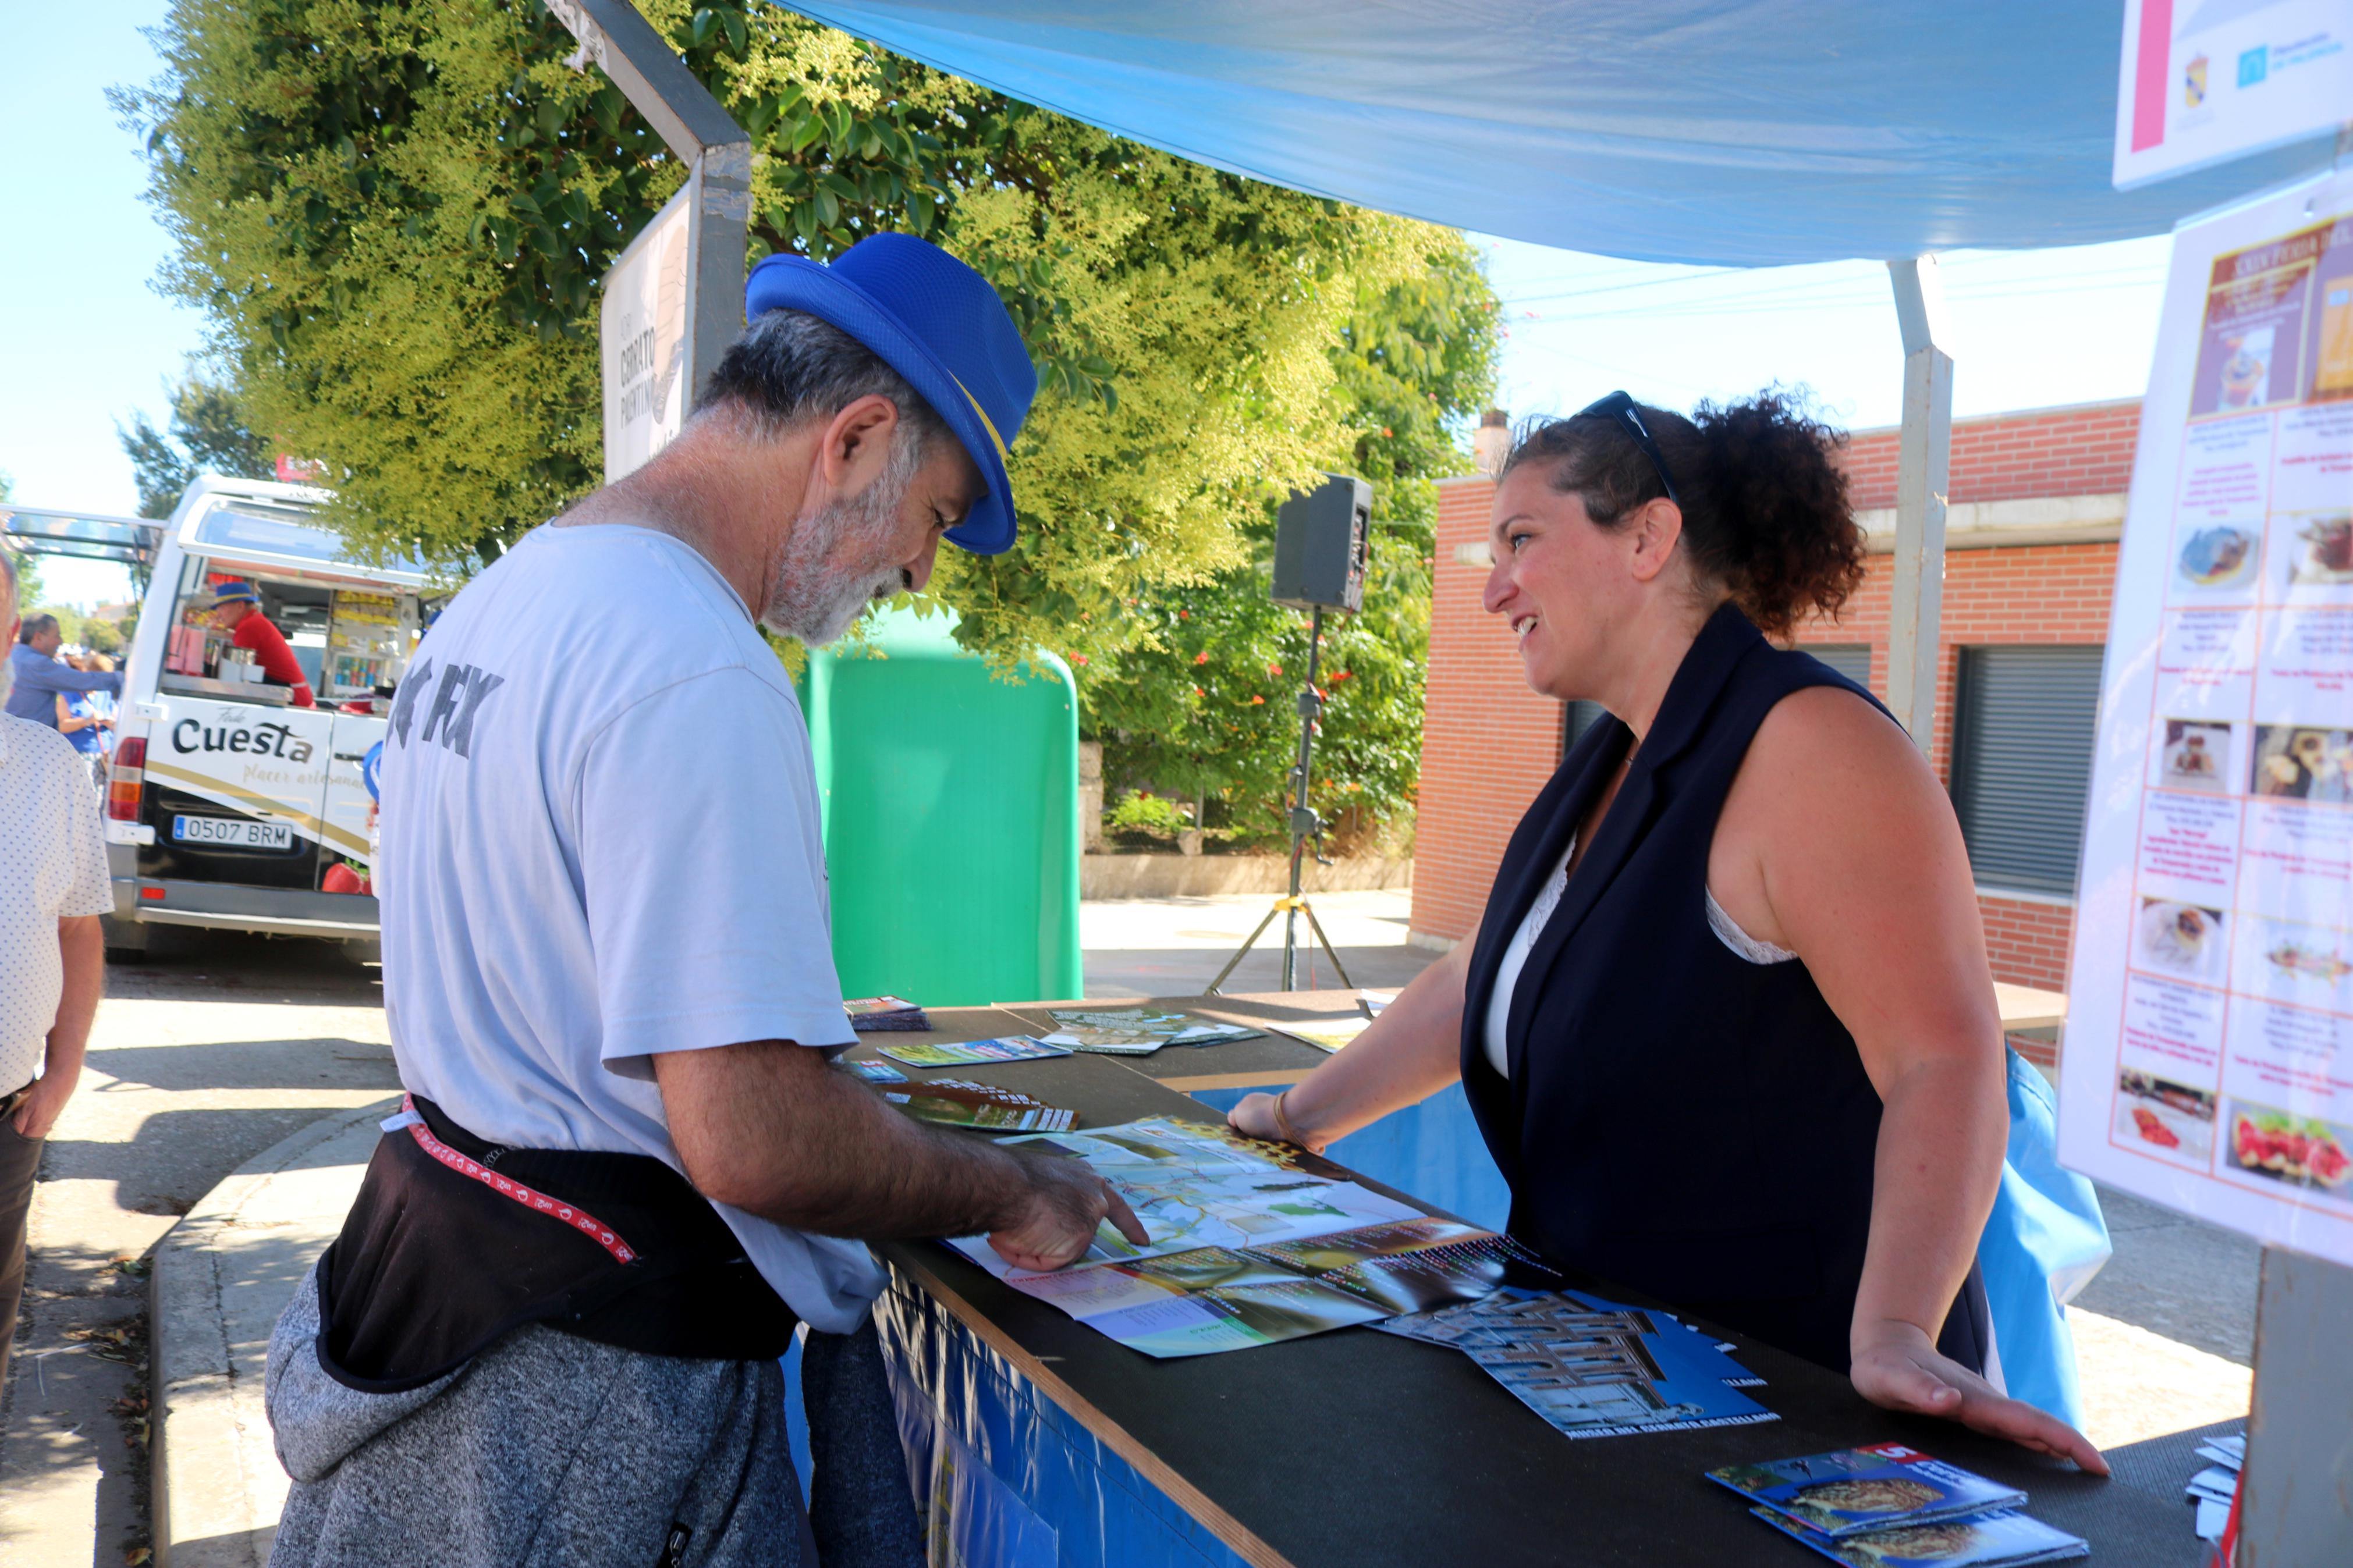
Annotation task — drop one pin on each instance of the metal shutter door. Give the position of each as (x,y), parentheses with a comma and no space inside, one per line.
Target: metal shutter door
(1850,659)
(2023,723)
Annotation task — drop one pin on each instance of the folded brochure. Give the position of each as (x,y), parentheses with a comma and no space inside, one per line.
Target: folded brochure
(1134,1031)
(1327,1035)
(1593,1367)
(958,1102)
(2004,1539)
(966,1053)
(1858,1490)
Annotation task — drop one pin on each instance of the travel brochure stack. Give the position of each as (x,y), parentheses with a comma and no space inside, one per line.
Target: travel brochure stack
(1889,1504)
(872,1014)
(2214,1488)
(1591,1367)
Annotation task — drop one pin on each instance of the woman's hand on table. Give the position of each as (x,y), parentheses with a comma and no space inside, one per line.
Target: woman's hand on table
(1263,1116)
(1067,1202)
(1895,1365)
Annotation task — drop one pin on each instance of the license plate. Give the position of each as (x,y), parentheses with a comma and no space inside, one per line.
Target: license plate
(232,833)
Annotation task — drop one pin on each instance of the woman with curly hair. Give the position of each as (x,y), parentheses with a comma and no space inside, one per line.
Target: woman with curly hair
(1727,1023)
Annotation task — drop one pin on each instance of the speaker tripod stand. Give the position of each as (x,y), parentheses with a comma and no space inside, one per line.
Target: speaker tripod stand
(1306,828)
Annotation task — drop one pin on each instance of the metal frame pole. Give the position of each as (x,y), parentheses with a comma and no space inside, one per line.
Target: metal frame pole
(2296,1501)
(1304,823)
(1925,457)
(716,151)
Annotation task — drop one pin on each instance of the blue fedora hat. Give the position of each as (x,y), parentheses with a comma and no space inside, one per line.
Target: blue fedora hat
(941,325)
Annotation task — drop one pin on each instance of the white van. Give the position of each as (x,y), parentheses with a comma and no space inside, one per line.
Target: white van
(228,805)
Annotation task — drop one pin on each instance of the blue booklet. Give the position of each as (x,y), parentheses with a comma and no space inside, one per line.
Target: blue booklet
(1858,1490)
(2000,1540)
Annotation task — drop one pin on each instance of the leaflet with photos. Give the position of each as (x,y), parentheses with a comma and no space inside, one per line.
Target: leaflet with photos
(1856,1490)
(2209,1051)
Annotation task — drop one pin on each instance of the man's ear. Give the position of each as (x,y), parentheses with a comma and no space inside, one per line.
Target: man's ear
(1656,530)
(856,446)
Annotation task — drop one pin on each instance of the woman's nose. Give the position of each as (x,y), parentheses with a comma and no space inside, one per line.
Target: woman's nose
(1499,588)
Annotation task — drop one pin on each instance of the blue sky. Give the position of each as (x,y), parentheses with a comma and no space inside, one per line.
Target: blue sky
(89,342)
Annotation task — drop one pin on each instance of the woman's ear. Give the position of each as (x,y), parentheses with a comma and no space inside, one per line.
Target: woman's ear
(1655,528)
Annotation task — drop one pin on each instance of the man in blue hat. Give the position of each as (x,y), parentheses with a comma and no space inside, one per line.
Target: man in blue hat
(627,1169)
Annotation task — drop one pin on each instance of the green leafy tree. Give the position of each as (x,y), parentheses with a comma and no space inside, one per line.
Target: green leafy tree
(209,434)
(1205,706)
(395,216)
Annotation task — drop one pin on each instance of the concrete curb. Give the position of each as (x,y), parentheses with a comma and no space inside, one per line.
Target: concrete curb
(221,1277)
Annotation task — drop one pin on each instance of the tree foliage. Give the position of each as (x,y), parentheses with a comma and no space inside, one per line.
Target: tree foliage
(395,216)
(208,435)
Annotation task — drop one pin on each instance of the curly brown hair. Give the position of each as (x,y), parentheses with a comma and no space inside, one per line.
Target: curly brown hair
(1765,514)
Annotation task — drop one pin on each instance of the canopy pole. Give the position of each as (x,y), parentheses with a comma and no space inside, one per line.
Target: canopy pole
(716,152)
(1926,451)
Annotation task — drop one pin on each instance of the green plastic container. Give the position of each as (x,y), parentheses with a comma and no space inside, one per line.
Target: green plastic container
(951,801)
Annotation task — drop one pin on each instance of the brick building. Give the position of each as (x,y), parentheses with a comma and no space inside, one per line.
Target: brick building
(2037,503)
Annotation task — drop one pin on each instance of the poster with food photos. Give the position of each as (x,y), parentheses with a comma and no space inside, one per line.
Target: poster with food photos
(2208,1056)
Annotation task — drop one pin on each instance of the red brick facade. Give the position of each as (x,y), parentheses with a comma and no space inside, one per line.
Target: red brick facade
(1488,743)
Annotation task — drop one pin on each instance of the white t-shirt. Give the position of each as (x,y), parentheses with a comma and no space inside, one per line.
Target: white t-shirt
(600,840)
(52,868)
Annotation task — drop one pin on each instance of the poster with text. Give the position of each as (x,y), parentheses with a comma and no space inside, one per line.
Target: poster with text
(2208,1059)
(2206,81)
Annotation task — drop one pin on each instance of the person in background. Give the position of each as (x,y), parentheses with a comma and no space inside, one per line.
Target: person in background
(236,610)
(87,718)
(53,887)
(37,678)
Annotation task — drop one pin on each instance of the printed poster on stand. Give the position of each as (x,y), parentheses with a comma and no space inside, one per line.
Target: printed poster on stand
(2208,1059)
(2204,81)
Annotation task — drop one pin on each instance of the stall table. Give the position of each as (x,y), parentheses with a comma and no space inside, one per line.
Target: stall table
(1355,1446)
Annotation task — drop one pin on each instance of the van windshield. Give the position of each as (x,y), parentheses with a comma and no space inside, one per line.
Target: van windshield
(250,526)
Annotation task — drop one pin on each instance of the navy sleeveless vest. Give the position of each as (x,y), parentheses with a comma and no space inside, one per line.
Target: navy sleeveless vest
(1678,1119)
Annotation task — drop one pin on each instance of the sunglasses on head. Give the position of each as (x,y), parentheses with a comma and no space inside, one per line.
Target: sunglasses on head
(1627,414)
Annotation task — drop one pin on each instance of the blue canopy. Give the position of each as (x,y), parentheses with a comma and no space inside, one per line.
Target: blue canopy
(1744,132)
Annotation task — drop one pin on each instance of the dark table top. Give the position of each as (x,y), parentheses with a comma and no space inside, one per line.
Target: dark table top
(1356,1447)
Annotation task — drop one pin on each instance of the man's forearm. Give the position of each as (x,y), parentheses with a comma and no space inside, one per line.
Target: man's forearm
(82,949)
(772,1128)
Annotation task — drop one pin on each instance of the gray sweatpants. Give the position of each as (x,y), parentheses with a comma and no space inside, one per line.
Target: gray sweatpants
(550,1450)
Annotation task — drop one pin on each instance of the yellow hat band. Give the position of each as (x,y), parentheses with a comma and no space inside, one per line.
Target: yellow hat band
(985,422)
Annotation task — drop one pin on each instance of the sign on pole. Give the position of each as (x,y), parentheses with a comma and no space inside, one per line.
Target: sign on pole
(2208,1060)
(2206,81)
(646,335)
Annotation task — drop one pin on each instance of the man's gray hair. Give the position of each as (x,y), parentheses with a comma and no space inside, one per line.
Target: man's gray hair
(35,625)
(789,367)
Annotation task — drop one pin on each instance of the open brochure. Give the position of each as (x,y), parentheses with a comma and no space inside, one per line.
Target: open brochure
(2001,1540)
(984,1107)
(1592,1367)
(1246,1248)
(1857,1489)
(967,1053)
(1137,1031)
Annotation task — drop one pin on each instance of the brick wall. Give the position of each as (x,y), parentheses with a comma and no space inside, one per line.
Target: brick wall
(1488,743)
(2084,451)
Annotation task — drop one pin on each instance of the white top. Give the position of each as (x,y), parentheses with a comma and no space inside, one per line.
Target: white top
(52,868)
(600,840)
(1531,924)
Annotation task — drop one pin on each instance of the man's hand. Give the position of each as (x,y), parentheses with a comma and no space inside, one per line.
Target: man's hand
(39,1113)
(1067,1202)
(1895,1366)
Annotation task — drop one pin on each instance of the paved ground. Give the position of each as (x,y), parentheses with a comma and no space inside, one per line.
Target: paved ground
(213,1051)
(219,1048)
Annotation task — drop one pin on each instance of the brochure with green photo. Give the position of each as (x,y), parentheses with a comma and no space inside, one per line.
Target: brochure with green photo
(968,1053)
(1137,1031)
(983,1106)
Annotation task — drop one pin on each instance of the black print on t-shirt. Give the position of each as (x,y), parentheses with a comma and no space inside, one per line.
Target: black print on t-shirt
(457,700)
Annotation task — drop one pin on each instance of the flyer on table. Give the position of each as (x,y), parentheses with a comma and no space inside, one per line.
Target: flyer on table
(2209,1034)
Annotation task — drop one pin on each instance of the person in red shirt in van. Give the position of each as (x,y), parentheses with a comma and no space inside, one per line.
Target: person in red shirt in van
(236,610)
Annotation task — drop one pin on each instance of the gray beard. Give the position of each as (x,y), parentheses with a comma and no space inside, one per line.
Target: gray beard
(815,599)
